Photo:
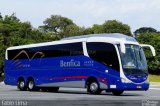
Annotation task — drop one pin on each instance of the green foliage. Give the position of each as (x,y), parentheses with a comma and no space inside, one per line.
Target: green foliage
(25,30)
(56,24)
(145,30)
(71,30)
(98,28)
(0,16)
(113,26)
(154,40)
(60,26)
(13,32)
(110,26)
(64,27)
(87,31)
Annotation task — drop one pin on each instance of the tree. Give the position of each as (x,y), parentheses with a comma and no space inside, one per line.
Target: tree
(97,28)
(145,30)
(0,16)
(56,24)
(13,32)
(71,30)
(25,29)
(87,31)
(114,26)
(61,27)
(154,40)
(111,26)
(8,26)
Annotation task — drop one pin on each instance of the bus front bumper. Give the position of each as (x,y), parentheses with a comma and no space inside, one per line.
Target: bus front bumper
(129,87)
(133,86)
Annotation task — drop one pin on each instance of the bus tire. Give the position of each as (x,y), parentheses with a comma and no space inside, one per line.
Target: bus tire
(53,89)
(21,84)
(93,88)
(31,85)
(117,92)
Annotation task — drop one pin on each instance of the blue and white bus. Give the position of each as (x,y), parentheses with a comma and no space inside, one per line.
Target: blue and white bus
(110,62)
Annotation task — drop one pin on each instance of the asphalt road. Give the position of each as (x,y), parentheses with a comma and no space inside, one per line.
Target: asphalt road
(10,96)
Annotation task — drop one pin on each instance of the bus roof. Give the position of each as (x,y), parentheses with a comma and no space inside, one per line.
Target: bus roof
(112,37)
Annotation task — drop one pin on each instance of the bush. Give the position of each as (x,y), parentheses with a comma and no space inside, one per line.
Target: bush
(154,40)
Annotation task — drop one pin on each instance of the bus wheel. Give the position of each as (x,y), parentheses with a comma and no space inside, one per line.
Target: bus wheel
(53,89)
(117,92)
(93,88)
(31,85)
(21,85)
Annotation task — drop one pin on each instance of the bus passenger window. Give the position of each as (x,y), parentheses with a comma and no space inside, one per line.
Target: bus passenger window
(104,53)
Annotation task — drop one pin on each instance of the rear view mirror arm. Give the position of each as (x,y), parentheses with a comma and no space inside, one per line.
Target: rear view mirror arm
(151,48)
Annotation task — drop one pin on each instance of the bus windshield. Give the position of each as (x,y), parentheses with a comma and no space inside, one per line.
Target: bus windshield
(134,61)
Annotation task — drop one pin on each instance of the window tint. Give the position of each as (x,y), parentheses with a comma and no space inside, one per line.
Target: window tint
(104,53)
(71,49)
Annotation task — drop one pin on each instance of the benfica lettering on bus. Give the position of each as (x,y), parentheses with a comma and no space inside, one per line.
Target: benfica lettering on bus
(71,63)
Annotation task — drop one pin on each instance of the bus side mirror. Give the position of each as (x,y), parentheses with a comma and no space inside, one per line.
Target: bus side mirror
(151,47)
(123,48)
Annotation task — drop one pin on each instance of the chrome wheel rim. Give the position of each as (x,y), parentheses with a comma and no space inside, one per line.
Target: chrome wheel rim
(93,87)
(30,85)
(21,84)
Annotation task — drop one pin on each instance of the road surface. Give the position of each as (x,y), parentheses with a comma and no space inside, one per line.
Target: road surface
(10,95)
